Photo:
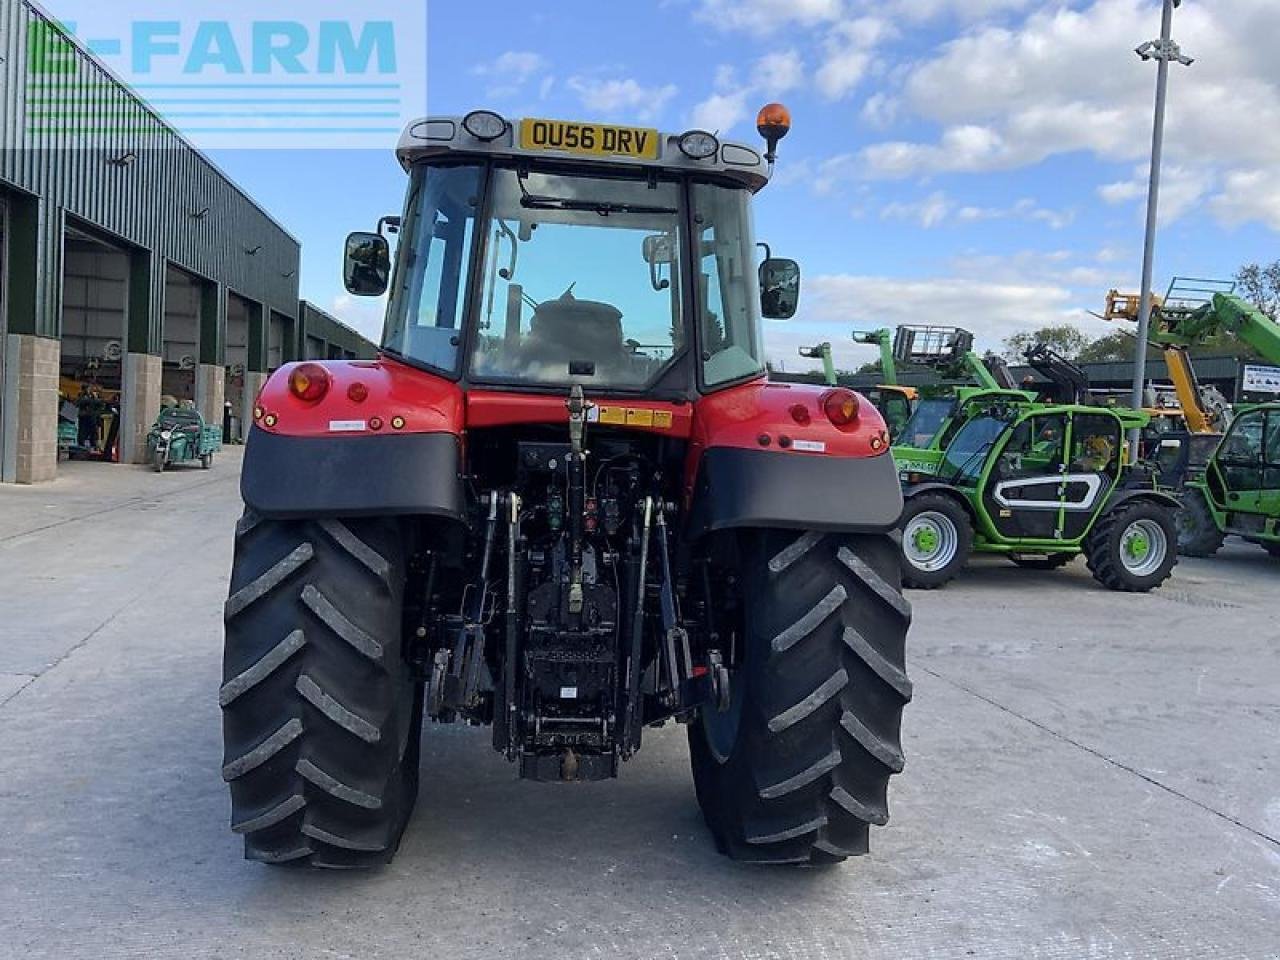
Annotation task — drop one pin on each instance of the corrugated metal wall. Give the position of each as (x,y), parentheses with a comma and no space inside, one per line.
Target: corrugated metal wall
(324,329)
(92,151)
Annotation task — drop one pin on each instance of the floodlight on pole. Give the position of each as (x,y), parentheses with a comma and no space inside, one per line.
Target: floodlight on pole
(1163,51)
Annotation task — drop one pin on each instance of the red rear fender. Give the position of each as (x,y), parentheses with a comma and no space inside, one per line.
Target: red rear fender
(396,399)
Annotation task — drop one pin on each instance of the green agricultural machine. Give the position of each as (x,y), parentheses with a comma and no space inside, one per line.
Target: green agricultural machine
(969,382)
(1237,491)
(1041,485)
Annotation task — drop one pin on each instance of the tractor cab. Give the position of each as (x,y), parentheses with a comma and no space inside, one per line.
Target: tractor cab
(539,255)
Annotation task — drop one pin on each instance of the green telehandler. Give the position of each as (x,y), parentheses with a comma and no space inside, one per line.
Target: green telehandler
(969,382)
(1237,491)
(1040,484)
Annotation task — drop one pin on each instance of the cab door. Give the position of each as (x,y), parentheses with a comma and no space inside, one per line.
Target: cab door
(1022,493)
(1093,469)
(1248,465)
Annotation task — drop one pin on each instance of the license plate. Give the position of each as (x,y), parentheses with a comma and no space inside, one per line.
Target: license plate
(589,139)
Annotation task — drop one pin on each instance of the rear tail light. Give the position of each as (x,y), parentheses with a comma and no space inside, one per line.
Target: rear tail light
(800,413)
(840,406)
(309,382)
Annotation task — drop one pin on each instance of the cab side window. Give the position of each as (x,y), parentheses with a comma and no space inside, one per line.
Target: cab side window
(1241,456)
(1095,445)
(1035,449)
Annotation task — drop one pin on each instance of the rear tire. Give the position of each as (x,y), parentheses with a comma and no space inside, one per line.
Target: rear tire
(937,538)
(1133,548)
(796,770)
(1273,549)
(321,716)
(206,461)
(1198,533)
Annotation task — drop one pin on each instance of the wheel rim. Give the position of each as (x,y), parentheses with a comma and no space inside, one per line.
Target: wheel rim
(930,540)
(1143,547)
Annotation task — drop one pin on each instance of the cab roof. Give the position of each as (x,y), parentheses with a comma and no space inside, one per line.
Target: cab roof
(435,137)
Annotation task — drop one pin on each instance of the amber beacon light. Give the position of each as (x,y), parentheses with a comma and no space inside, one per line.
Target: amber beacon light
(773,123)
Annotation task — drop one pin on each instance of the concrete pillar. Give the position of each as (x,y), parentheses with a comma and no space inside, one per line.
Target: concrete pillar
(253,382)
(30,409)
(211,388)
(139,404)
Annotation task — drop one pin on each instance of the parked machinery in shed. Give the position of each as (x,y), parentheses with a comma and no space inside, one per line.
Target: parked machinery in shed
(566,503)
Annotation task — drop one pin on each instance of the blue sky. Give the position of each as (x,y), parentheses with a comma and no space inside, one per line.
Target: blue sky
(970,162)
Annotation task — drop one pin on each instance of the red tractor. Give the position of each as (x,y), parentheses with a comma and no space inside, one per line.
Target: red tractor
(566,503)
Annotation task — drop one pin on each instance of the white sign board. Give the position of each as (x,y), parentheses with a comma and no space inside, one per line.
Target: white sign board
(1258,379)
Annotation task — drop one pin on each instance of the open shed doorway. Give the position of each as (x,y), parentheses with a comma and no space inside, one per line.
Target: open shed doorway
(243,325)
(95,301)
(183,299)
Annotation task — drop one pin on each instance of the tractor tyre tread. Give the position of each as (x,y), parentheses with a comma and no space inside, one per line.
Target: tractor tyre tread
(825,683)
(321,737)
(1203,538)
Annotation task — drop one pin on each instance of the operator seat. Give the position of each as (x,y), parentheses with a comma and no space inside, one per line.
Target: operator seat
(567,329)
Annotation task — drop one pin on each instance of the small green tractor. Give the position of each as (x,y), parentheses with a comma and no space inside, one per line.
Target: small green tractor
(1041,485)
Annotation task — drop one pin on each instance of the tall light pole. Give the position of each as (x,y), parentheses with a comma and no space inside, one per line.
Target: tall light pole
(1162,51)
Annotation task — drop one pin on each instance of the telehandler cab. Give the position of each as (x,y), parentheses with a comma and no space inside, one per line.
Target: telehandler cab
(566,503)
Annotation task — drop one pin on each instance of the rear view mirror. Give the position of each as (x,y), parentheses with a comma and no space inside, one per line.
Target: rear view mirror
(658,248)
(367,265)
(779,288)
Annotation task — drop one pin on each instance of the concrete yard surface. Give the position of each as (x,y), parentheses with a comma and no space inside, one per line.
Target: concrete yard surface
(1089,775)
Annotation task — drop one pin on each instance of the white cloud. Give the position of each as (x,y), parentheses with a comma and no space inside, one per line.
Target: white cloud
(777,73)
(770,76)
(1182,188)
(624,98)
(992,310)
(929,212)
(518,65)
(766,16)
(1065,79)
(880,110)
(938,208)
(1250,195)
(921,10)
(510,71)
(720,111)
(849,51)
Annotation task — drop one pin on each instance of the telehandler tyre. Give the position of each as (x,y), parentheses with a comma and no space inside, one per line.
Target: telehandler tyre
(1133,548)
(937,538)
(796,768)
(1198,534)
(321,718)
